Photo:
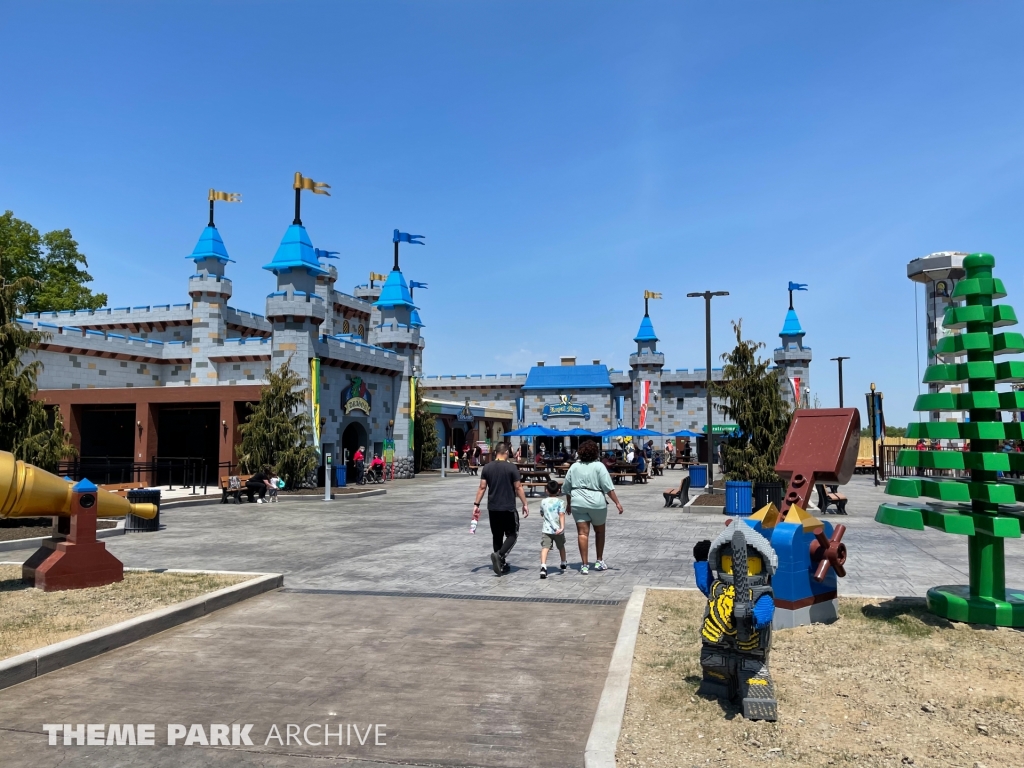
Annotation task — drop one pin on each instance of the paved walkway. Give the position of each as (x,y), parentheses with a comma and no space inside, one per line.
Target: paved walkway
(416,539)
(391,614)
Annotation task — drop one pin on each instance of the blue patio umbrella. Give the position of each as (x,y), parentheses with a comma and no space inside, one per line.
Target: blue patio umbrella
(580,432)
(534,430)
(685,433)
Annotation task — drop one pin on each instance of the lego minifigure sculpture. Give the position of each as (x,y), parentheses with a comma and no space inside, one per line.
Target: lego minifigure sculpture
(735,573)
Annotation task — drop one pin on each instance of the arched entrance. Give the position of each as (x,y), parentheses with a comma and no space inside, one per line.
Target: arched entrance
(353,437)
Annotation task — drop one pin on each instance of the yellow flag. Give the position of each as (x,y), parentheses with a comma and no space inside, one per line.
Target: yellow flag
(377,276)
(226,197)
(651,295)
(316,187)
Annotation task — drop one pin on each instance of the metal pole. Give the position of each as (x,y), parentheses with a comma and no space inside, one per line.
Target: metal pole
(396,255)
(211,213)
(327,477)
(711,439)
(840,361)
(298,221)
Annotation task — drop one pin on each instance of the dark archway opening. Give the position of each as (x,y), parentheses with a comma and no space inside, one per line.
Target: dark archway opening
(188,444)
(353,437)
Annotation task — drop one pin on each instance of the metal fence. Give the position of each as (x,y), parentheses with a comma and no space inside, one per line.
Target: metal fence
(888,466)
(180,471)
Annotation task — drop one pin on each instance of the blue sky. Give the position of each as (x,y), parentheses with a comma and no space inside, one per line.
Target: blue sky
(560,157)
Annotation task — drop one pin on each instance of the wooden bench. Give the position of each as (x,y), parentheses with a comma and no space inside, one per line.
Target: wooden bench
(237,492)
(121,489)
(682,493)
(678,460)
(637,477)
(864,466)
(828,496)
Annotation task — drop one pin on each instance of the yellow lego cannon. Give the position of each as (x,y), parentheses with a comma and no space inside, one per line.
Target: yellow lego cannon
(76,560)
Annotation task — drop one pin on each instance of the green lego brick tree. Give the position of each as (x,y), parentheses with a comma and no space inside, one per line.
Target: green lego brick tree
(983,508)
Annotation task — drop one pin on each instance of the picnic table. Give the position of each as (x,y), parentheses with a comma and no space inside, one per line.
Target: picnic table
(534,479)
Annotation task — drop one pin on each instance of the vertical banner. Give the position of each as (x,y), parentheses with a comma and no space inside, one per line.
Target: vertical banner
(645,398)
(314,398)
(876,418)
(412,414)
(620,406)
(795,382)
(520,410)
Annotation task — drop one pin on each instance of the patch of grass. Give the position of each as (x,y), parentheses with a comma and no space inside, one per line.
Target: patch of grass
(31,618)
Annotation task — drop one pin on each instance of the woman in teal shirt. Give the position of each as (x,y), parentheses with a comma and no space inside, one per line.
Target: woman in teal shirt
(585,487)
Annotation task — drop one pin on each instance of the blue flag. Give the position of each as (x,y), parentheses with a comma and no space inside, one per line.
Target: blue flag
(325,254)
(797,286)
(414,284)
(405,237)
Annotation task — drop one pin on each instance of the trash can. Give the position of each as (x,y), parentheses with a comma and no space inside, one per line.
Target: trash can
(768,493)
(739,497)
(698,476)
(340,475)
(133,524)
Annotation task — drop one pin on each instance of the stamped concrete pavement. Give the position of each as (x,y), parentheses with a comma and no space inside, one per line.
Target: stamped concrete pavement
(391,614)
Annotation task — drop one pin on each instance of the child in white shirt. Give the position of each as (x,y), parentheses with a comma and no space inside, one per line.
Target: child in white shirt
(552,510)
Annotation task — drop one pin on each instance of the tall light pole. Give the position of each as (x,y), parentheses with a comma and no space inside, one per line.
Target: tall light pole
(707,296)
(840,361)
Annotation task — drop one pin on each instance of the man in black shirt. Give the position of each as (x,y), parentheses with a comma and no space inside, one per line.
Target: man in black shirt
(258,483)
(500,479)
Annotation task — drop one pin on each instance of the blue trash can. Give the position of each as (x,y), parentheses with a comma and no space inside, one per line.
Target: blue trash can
(739,497)
(339,475)
(698,476)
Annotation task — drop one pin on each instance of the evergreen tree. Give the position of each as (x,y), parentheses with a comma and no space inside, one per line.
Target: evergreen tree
(278,432)
(984,507)
(426,443)
(27,428)
(753,402)
(54,266)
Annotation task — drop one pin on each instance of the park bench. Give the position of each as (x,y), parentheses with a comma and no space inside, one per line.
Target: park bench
(121,489)
(226,490)
(676,459)
(864,466)
(828,496)
(635,476)
(682,493)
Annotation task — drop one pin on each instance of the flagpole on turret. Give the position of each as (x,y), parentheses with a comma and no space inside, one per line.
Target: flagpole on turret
(301,183)
(795,287)
(405,237)
(224,197)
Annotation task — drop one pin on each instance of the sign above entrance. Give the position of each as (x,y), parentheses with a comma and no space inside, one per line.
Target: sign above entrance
(356,397)
(566,407)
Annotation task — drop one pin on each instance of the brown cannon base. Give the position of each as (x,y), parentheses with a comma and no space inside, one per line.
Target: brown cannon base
(60,564)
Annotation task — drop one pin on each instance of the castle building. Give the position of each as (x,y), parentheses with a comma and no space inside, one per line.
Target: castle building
(595,397)
(172,382)
(146,390)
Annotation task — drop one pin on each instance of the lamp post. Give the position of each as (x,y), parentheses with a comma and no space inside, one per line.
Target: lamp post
(707,296)
(840,361)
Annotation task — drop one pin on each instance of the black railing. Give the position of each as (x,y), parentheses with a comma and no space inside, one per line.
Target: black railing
(889,467)
(105,469)
(159,471)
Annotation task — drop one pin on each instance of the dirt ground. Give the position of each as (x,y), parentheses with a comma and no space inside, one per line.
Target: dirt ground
(886,685)
(31,618)
(33,527)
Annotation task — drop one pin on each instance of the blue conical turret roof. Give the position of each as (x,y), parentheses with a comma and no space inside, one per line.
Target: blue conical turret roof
(210,246)
(295,252)
(414,319)
(792,325)
(394,292)
(646,332)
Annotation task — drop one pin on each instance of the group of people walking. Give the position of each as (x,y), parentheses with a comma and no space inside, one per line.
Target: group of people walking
(583,496)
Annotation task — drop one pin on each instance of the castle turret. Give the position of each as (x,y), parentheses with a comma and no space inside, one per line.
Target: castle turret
(793,363)
(295,308)
(210,292)
(645,372)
